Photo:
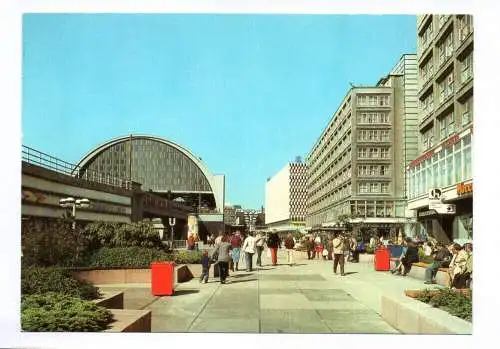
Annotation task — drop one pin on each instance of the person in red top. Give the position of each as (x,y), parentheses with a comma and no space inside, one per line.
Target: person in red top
(236,243)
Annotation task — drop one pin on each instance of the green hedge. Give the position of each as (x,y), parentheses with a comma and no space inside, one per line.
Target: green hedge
(53,312)
(137,257)
(35,280)
(453,302)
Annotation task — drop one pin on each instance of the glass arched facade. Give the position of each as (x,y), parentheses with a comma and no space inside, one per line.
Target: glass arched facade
(157,165)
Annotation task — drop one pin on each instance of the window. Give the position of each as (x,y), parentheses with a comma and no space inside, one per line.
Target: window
(464,27)
(384,188)
(383,100)
(450,121)
(384,170)
(384,153)
(362,170)
(363,187)
(374,187)
(466,69)
(385,135)
(384,118)
(362,153)
(467,112)
(372,100)
(362,99)
(449,45)
(373,153)
(372,170)
(467,163)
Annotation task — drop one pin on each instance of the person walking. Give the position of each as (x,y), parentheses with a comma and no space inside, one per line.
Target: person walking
(236,249)
(273,242)
(318,247)
(249,249)
(338,253)
(221,254)
(310,248)
(289,245)
(205,267)
(259,247)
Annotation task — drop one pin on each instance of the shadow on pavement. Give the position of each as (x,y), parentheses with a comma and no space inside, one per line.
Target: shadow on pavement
(237,281)
(350,272)
(183,292)
(240,275)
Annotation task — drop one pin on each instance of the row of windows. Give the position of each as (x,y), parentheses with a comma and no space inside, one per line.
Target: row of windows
(334,132)
(373,170)
(373,136)
(364,208)
(372,100)
(450,166)
(332,183)
(447,125)
(331,164)
(373,118)
(373,153)
(330,198)
(373,187)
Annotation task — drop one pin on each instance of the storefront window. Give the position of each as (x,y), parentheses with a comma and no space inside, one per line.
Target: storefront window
(430,179)
(449,169)
(462,227)
(458,166)
(442,172)
(467,163)
(437,181)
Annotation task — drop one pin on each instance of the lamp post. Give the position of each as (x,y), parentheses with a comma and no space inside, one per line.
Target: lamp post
(73,204)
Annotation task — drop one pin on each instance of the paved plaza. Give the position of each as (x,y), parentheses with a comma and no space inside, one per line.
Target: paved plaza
(306,298)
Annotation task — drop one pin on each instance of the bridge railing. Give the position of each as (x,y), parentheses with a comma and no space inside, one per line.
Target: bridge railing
(36,157)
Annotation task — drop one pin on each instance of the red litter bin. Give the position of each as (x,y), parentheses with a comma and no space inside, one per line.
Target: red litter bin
(162,278)
(382,260)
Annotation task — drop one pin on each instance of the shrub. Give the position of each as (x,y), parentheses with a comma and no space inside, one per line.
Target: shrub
(423,258)
(137,257)
(453,302)
(141,234)
(51,242)
(53,312)
(187,257)
(36,280)
(125,257)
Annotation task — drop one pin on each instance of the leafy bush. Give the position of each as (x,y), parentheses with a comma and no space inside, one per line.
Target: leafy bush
(141,234)
(125,257)
(455,303)
(187,257)
(51,242)
(423,258)
(41,280)
(53,312)
(137,257)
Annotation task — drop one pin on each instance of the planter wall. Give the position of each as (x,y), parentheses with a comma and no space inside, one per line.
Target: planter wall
(410,316)
(130,321)
(111,300)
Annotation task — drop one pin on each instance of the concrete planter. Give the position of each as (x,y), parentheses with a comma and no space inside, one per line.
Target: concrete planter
(411,316)
(130,321)
(183,273)
(110,300)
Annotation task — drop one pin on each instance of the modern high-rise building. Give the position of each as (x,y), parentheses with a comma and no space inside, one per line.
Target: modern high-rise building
(445,92)
(357,166)
(286,198)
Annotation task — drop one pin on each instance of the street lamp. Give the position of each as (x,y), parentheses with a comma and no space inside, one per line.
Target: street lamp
(73,204)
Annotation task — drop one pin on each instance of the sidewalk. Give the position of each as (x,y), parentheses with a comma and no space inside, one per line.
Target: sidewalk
(306,298)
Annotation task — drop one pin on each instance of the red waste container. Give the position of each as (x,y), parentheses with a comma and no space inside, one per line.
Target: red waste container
(162,278)
(382,259)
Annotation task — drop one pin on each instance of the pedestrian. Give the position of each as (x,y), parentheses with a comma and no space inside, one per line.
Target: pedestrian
(338,253)
(221,254)
(310,248)
(219,238)
(273,242)
(458,266)
(441,257)
(205,267)
(329,246)
(236,249)
(354,250)
(249,249)
(289,245)
(318,248)
(259,247)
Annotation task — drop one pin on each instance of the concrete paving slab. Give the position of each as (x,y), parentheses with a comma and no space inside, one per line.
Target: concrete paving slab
(231,325)
(284,301)
(171,323)
(292,321)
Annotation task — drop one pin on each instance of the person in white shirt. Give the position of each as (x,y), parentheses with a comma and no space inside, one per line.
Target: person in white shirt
(249,249)
(259,246)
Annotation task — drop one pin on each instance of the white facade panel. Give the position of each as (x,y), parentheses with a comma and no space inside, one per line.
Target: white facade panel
(277,196)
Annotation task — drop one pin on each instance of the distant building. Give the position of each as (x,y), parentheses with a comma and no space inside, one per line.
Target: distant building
(356,167)
(285,198)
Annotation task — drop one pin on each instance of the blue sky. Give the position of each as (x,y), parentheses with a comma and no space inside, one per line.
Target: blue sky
(246,93)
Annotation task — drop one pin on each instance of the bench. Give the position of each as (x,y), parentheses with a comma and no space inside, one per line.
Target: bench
(417,271)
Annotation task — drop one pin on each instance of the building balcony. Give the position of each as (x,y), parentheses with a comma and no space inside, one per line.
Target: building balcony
(465,87)
(423,23)
(423,55)
(465,40)
(444,28)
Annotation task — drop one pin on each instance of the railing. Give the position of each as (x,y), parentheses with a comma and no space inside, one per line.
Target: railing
(35,157)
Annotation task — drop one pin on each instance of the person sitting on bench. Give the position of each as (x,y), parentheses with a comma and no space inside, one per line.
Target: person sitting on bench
(442,258)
